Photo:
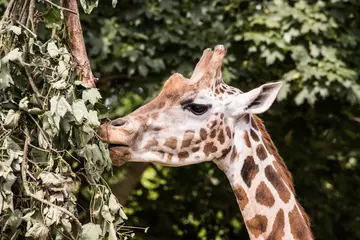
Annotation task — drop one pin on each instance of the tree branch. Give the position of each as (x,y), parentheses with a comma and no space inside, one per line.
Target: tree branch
(77,43)
(122,190)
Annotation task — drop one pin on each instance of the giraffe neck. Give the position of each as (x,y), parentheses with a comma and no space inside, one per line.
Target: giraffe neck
(262,185)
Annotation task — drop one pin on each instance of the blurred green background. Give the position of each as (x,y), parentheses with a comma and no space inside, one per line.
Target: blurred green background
(312,46)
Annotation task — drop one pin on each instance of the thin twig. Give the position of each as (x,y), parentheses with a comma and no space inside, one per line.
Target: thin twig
(7,12)
(26,28)
(30,19)
(53,32)
(31,176)
(34,88)
(42,131)
(60,7)
(23,13)
(77,44)
(27,189)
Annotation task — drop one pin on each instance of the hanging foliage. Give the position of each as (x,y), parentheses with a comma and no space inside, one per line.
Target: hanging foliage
(49,145)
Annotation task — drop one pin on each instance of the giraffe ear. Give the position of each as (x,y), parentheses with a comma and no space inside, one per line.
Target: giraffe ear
(257,100)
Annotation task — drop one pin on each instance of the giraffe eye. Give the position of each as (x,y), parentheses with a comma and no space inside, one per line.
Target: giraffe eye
(197,109)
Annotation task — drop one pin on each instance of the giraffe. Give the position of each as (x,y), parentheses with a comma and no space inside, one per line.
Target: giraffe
(202,119)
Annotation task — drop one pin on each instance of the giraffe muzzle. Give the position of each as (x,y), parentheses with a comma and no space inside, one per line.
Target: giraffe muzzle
(119,132)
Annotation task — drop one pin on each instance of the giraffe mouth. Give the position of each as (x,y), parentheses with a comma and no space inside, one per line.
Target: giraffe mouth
(113,146)
(119,154)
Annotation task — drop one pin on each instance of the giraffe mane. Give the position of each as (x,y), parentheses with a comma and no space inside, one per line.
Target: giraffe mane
(282,168)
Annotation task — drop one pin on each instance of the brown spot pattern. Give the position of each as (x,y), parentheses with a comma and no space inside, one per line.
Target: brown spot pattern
(183,154)
(298,227)
(155,115)
(226,151)
(253,124)
(213,133)
(161,104)
(221,137)
(261,152)
(247,140)
(188,136)
(277,231)
(228,131)
(151,143)
(169,157)
(278,184)
(264,196)
(203,134)
(156,128)
(212,124)
(233,154)
(254,135)
(284,173)
(247,118)
(249,170)
(209,148)
(257,225)
(171,142)
(241,197)
(195,149)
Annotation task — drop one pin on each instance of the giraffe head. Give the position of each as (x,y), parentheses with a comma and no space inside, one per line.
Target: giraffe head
(190,121)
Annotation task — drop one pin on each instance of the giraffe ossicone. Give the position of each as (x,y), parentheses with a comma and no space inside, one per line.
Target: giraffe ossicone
(203,119)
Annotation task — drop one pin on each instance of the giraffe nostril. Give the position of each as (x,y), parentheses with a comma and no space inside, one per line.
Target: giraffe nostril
(118,123)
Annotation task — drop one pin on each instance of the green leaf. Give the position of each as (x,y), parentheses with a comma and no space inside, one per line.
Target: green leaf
(66,223)
(36,111)
(106,154)
(12,119)
(15,29)
(24,104)
(52,49)
(52,215)
(15,219)
(5,78)
(14,55)
(80,111)
(284,91)
(114,2)
(114,204)
(314,50)
(93,119)
(89,5)
(51,179)
(91,231)
(301,96)
(61,84)
(52,18)
(38,231)
(112,232)
(143,70)
(43,143)
(105,212)
(59,106)
(92,95)
(329,53)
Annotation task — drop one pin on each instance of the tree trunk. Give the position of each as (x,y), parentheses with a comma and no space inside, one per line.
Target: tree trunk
(122,190)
